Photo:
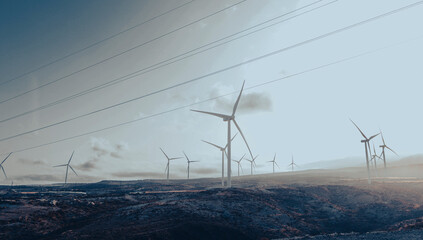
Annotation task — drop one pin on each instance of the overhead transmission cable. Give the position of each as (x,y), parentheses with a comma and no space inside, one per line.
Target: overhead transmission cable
(119,54)
(218,71)
(172,60)
(210,99)
(94,44)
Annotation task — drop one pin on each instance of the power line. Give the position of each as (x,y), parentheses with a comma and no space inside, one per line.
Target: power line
(219,71)
(94,44)
(214,98)
(174,59)
(121,53)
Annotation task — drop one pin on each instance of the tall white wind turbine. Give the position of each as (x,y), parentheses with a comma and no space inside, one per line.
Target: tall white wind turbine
(239,163)
(168,163)
(188,161)
(223,151)
(252,162)
(229,118)
(292,163)
(274,162)
(67,168)
(366,147)
(1,164)
(383,146)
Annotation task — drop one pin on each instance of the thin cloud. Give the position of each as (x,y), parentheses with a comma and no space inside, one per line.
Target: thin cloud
(249,103)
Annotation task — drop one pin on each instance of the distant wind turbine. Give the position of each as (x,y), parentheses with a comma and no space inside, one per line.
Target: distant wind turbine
(188,161)
(1,164)
(67,168)
(252,162)
(229,118)
(292,163)
(367,148)
(223,150)
(274,162)
(168,163)
(383,150)
(239,163)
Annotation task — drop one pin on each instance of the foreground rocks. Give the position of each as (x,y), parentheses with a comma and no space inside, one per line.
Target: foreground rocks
(159,210)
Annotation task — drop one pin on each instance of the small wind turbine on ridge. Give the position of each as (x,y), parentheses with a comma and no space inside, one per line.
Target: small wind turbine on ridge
(274,162)
(1,164)
(223,150)
(292,163)
(188,161)
(239,163)
(383,146)
(367,149)
(167,170)
(67,165)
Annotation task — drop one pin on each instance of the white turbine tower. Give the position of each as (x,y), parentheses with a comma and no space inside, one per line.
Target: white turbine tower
(229,118)
(1,164)
(223,150)
(188,161)
(239,163)
(367,150)
(252,162)
(292,163)
(383,150)
(274,162)
(67,168)
(168,163)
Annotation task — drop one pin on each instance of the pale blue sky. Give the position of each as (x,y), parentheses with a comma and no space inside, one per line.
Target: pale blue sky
(308,115)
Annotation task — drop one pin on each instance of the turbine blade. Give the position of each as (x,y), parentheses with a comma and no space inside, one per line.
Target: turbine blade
(277,164)
(373,136)
(62,165)
(243,137)
(214,145)
(164,153)
(242,157)
(274,157)
(237,100)
(231,140)
(6,158)
(186,156)
(383,140)
(358,129)
(392,150)
(4,172)
(175,158)
(223,116)
(71,157)
(73,170)
(242,170)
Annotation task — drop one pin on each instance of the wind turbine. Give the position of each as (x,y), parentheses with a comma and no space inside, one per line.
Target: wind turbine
(252,162)
(167,165)
(229,118)
(274,162)
(67,168)
(383,149)
(366,146)
(292,163)
(188,161)
(223,150)
(1,164)
(239,164)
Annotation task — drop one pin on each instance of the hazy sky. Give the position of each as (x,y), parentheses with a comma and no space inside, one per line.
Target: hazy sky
(306,115)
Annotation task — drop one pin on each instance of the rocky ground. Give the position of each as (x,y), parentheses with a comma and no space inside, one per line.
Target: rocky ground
(256,208)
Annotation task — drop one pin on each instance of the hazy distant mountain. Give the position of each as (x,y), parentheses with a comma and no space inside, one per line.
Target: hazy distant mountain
(336,163)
